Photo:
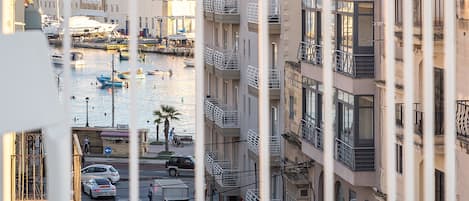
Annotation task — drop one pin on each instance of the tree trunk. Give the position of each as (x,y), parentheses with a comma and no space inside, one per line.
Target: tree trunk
(166,132)
(157,132)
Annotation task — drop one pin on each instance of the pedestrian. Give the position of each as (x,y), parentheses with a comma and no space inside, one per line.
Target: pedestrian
(150,192)
(86,145)
(171,135)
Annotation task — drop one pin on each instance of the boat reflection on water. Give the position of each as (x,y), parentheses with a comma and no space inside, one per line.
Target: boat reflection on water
(76,59)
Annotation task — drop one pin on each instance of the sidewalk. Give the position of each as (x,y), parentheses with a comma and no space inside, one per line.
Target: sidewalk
(148,158)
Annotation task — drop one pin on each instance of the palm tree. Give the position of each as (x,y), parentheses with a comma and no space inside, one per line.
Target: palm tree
(158,121)
(167,113)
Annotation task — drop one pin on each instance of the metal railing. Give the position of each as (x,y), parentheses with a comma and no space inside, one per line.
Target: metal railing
(253,143)
(346,154)
(310,53)
(210,158)
(208,6)
(462,118)
(224,175)
(209,108)
(208,55)
(226,7)
(253,195)
(274,12)
(418,118)
(253,77)
(226,60)
(226,118)
(312,133)
(345,62)
(354,65)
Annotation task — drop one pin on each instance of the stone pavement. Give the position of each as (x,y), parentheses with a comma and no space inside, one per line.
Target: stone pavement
(148,158)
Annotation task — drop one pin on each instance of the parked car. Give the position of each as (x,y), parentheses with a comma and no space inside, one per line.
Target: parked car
(177,164)
(99,187)
(100,170)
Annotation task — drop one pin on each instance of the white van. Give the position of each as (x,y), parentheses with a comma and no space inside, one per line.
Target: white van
(170,190)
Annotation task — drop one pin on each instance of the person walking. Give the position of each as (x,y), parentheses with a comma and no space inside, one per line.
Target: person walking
(171,136)
(150,192)
(86,145)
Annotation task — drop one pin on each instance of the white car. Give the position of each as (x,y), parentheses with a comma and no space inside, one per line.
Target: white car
(99,187)
(100,171)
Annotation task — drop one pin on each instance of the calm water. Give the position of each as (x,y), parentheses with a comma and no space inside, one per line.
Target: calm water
(153,91)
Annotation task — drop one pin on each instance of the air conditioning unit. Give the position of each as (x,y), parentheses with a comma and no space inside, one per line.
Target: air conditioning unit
(303,193)
(122,126)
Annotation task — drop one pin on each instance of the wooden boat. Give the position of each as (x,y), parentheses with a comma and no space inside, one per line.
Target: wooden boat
(126,74)
(189,63)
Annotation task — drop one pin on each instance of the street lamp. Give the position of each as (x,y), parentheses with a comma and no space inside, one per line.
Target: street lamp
(87,99)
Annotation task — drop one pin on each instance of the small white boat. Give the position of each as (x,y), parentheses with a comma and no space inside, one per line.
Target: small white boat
(159,72)
(188,63)
(76,59)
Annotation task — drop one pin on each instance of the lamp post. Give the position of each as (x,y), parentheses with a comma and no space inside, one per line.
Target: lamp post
(87,99)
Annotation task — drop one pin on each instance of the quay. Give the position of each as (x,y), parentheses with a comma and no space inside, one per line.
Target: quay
(148,46)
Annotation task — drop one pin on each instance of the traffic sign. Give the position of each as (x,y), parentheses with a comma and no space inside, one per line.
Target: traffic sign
(107,150)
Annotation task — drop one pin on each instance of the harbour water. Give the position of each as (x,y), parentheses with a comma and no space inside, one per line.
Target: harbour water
(177,91)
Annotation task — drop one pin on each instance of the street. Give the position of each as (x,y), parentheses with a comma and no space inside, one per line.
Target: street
(147,173)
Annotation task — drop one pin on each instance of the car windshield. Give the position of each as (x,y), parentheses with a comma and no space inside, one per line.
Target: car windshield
(102,181)
(112,169)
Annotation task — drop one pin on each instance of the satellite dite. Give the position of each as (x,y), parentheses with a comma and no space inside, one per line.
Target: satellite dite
(29,100)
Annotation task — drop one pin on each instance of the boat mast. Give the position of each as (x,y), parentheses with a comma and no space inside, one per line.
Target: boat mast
(58,11)
(112,88)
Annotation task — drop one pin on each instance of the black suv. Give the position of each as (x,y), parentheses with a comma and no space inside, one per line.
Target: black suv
(177,164)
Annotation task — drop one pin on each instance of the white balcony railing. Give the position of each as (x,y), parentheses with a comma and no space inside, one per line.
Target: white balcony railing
(225,175)
(208,6)
(210,158)
(253,77)
(274,12)
(226,7)
(226,60)
(221,114)
(208,55)
(226,118)
(253,195)
(253,143)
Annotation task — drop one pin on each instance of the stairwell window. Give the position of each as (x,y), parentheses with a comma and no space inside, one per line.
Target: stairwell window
(399,160)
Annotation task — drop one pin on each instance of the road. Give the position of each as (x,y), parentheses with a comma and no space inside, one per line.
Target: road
(147,173)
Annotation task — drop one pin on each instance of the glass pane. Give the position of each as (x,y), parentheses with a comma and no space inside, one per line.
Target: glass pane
(365,30)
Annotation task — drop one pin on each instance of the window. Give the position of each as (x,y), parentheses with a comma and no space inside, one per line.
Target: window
(146,22)
(216,36)
(244,47)
(291,107)
(225,38)
(312,101)
(225,92)
(352,195)
(249,106)
(117,8)
(274,56)
(112,8)
(152,23)
(140,22)
(439,185)
(249,49)
(399,160)
(365,120)
(345,116)
(365,24)
(216,87)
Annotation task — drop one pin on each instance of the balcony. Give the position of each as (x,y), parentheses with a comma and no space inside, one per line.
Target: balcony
(356,158)
(223,11)
(273,16)
(225,176)
(208,58)
(417,118)
(224,118)
(253,195)
(226,64)
(312,133)
(354,65)
(253,144)
(462,118)
(310,53)
(274,82)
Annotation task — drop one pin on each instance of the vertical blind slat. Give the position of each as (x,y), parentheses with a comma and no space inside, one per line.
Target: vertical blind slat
(450,100)
(328,103)
(200,128)
(133,135)
(409,66)
(390,114)
(428,103)
(264,155)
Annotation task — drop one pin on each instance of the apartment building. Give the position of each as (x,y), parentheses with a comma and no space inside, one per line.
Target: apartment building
(462,94)
(355,138)
(159,18)
(231,105)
